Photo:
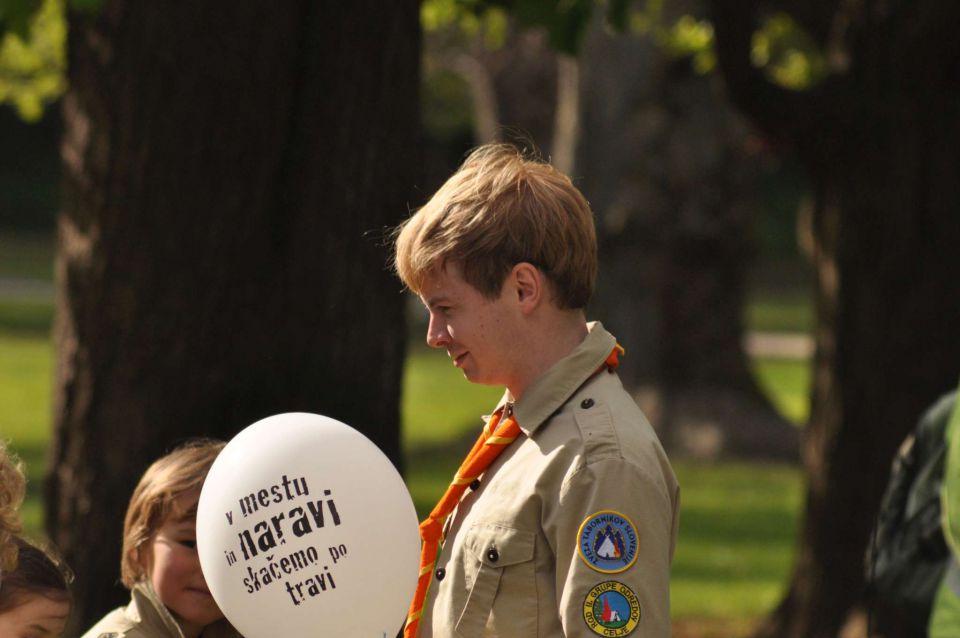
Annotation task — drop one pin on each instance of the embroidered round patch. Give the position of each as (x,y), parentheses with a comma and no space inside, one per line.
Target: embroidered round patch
(611,609)
(608,542)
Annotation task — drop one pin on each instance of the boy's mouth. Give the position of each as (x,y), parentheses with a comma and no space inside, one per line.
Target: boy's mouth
(458,359)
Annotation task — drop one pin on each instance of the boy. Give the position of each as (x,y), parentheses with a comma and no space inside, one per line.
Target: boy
(159,561)
(570,529)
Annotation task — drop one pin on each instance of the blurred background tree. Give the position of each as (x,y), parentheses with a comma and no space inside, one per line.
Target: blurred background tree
(878,134)
(229,171)
(864,95)
(672,172)
(678,124)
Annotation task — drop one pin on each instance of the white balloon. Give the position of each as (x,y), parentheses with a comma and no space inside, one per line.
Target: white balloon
(305,528)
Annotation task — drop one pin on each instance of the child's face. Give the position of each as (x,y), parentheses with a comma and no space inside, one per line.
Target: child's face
(173,567)
(36,617)
(475,331)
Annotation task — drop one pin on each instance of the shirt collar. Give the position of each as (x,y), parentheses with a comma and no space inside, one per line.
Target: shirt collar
(147,608)
(553,388)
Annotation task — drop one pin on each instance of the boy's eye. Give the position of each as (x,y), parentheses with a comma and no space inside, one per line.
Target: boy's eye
(192,544)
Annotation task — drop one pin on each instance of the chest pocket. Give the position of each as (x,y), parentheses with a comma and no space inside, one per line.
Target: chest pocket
(503,594)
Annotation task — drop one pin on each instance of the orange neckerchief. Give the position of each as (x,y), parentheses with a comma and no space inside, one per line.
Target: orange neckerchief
(497,434)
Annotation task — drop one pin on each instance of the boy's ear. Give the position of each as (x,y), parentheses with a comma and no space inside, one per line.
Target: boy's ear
(528,285)
(142,557)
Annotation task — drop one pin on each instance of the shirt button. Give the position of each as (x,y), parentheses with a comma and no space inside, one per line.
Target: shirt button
(441,572)
(493,555)
(586,404)
(475,485)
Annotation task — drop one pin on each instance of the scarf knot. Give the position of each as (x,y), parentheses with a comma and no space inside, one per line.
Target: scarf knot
(431,530)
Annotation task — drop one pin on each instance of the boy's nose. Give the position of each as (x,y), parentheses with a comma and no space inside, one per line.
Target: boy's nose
(437,335)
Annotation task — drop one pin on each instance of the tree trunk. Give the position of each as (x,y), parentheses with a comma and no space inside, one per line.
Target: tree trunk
(663,161)
(229,171)
(881,142)
(889,306)
(662,158)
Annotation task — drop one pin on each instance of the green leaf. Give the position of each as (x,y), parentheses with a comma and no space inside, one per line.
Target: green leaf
(565,20)
(15,17)
(788,55)
(535,13)
(32,68)
(570,24)
(86,6)
(618,14)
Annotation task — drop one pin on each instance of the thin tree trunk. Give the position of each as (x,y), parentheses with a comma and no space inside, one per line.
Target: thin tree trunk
(566,119)
(229,171)
(662,159)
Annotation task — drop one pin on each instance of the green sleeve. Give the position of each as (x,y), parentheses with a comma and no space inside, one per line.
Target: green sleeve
(950,496)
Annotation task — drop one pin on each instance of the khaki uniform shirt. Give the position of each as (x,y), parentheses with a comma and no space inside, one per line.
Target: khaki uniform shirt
(147,617)
(571,530)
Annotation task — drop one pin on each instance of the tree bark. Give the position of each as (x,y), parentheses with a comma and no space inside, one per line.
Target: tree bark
(664,162)
(882,148)
(229,172)
(662,159)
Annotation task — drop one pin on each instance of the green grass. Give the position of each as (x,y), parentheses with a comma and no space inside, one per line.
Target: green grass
(26,256)
(780,311)
(737,528)
(25,317)
(738,525)
(787,384)
(738,520)
(25,386)
(438,403)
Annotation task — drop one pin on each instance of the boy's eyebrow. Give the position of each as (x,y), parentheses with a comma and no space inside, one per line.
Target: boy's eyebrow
(433,301)
(187,516)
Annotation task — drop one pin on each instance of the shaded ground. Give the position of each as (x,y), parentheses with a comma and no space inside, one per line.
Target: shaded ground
(713,628)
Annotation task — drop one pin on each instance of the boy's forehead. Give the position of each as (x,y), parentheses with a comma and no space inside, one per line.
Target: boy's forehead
(441,283)
(185,507)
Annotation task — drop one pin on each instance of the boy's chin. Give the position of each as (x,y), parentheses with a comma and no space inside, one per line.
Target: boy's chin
(478,379)
(202,614)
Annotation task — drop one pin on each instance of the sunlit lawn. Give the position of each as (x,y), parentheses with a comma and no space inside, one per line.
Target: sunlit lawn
(738,520)
(438,404)
(28,256)
(780,311)
(25,376)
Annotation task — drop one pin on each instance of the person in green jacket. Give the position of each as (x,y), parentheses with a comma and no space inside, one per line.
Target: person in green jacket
(945,618)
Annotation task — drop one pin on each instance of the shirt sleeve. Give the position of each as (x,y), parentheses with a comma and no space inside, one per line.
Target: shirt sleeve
(950,493)
(613,532)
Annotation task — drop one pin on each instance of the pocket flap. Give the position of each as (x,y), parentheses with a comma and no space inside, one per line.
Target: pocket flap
(500,546)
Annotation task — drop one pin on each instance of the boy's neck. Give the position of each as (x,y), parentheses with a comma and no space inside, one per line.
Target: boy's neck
(554,336)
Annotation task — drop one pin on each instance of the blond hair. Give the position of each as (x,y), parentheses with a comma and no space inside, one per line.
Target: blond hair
(12,488)
(154,499)
(499,209)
